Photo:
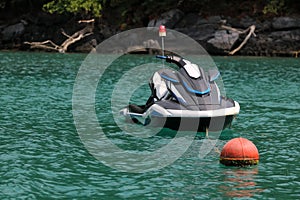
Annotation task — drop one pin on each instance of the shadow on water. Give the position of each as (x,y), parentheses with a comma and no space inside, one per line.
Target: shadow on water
(226,134)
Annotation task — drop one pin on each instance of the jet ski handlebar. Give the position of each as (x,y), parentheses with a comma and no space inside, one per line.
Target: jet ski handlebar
(173,59)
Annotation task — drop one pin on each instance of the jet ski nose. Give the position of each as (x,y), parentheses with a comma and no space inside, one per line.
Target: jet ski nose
(124,111)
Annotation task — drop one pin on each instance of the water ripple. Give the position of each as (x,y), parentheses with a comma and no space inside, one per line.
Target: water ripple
(42,156)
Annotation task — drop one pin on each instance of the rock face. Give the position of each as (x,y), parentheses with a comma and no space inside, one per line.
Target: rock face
(285,23)
(275,37)
(169,19)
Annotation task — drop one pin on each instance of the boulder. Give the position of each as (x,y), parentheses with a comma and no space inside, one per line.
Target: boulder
(247,21)
(241,23)
(169,19)
(214,19)
(13,31)
(224,40)
(200,32)
(285,23)
(87,46)
(149,46)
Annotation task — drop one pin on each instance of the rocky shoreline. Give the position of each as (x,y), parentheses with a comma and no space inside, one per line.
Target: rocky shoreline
(279,36)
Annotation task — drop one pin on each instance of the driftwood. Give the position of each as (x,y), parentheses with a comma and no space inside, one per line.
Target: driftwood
(250,31)
(48,44)
(295,53)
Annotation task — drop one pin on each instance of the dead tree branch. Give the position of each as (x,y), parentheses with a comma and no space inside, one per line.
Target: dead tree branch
(86,21)
(250,31)
(229,28)
(295,53)
(64,33)
(48,44)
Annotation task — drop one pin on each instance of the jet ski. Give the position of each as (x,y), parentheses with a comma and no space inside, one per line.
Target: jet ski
(187,99)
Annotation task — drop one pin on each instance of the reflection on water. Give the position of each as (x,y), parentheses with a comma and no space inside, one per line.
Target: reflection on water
(240,182)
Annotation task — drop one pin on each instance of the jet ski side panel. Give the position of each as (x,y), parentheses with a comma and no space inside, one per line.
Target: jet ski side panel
(189,120)
(193,124)
(183,113)
(170,115)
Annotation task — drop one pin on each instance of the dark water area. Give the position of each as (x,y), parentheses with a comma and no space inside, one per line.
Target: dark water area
(43,157)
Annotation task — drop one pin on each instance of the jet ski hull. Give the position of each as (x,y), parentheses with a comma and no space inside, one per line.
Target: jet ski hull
(203,124)
(200,121)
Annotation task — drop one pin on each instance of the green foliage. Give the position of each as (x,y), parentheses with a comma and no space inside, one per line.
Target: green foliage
(74,6)
(274,7)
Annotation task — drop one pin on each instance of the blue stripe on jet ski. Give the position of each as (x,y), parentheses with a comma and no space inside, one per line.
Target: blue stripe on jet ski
(169,79)
(195,91)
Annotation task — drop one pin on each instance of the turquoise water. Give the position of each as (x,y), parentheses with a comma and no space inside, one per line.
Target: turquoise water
(43,157)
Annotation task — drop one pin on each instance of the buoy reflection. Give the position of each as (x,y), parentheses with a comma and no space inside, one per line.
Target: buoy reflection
(240,183)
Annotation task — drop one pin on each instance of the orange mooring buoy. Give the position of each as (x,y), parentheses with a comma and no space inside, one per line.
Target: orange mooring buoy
(239,152)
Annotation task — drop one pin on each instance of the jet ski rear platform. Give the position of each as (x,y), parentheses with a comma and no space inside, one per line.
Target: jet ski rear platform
(187,100)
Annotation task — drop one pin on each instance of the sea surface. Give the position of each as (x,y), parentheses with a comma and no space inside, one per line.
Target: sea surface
(43,157)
